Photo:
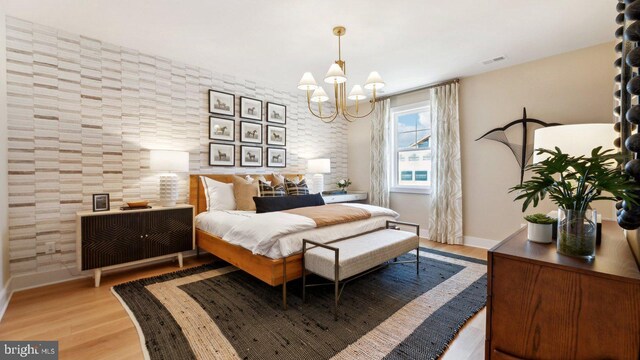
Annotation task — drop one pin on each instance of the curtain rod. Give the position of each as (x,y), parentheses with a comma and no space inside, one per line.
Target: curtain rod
(424,87)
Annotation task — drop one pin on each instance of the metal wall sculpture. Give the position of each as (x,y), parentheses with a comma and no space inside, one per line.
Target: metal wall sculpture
(522,152)
(627,111)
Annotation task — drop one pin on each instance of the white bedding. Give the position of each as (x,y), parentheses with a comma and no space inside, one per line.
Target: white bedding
(278,234)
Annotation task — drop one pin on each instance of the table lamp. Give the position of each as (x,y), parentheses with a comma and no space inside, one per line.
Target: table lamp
(169,162)
(318,167)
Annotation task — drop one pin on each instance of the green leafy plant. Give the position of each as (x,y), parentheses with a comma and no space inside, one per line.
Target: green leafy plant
(343,183)
(540,219)
(574,182)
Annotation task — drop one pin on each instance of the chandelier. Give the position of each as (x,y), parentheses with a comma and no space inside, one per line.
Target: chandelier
(337,76)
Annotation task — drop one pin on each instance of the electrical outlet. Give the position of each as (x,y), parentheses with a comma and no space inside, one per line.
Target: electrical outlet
(50,247)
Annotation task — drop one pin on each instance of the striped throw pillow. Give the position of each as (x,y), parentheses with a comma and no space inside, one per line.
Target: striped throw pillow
(268,190)
(299,188)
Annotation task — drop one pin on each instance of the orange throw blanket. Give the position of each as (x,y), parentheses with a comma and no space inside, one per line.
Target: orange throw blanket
(331,214)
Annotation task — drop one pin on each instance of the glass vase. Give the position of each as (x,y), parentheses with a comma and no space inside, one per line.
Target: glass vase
(577,233)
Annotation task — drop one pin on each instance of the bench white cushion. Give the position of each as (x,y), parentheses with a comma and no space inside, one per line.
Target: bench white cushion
(360,253)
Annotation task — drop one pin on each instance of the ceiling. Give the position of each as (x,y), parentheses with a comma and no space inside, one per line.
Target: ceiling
(410,42)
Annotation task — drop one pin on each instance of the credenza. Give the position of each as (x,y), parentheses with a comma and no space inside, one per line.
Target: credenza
(111,239)
(543,305)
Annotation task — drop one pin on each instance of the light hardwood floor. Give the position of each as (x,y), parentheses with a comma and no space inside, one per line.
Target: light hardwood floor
(90,323)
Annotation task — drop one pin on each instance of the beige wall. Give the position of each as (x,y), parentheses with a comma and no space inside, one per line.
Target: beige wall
(574,87)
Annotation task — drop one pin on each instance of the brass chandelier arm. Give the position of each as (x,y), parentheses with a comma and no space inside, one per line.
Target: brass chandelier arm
(326,119)
(348,116)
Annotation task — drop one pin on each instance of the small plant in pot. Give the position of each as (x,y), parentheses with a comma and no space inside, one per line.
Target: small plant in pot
(573,183)
(540,228)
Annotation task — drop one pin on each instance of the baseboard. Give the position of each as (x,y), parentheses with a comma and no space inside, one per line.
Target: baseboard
(479,242)
(5,297)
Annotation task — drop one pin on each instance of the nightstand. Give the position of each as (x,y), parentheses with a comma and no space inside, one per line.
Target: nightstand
(110,239)
(351,196)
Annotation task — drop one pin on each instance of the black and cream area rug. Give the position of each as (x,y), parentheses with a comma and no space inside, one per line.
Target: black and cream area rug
(218,312)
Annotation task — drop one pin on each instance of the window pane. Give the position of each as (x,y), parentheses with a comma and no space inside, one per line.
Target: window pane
(423,120)
(414,167)
(406,175)
(422,175)
(424,137)
(407,122)
(405,140)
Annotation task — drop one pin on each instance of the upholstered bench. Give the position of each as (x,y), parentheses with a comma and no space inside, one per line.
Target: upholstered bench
(344,260)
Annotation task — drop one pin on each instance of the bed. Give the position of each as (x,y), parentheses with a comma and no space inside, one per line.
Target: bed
(268,264)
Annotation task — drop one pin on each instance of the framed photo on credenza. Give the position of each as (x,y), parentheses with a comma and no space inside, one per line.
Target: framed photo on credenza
(250,156)
(276,113)
(276,135)
(222,129)
(222,154)
(250,108)
(222,103)
(276,157)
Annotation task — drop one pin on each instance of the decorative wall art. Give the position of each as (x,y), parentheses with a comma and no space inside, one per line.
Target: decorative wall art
(221,129)
(276,113)
(222,154)
(250,156)
(276,157)
(276,135)
(523,151)
(250,132)
(250,108)
(222,103)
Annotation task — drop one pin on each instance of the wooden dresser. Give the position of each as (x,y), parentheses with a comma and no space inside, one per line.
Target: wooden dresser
(542,305)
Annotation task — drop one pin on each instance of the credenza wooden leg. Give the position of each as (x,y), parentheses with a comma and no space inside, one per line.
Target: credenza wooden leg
(97,273)
(180,259)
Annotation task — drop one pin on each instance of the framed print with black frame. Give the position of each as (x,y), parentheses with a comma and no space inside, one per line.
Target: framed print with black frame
(250,132)
(101,202)
(222,103)
(250,108)
(222,129)
(222,154)
(276,113)
(276,135)
(276,157)
(250,156)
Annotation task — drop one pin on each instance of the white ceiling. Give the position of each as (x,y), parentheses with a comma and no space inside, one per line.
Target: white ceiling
(410,42)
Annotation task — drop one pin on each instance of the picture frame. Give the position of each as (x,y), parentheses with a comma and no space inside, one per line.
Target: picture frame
(101,202)
(222,103)
(276,113)
(222,129)
(276,135)
(250,132)
(250,108)
(276,157)
(222,154)
(250,156)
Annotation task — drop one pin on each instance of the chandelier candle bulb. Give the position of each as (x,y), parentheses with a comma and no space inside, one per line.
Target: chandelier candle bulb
(319,95)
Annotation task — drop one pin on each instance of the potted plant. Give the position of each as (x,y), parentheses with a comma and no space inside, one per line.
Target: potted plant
(343,184)
(540,228)
(573,183)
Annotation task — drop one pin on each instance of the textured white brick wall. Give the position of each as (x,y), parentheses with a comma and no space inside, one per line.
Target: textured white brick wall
(83,115)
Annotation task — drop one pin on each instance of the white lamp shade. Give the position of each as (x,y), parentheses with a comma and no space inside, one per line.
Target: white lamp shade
(307,82)
(335,75)
(319,95)
(357,93)
(374,81)
(575,140)
(319,166)
(169,161)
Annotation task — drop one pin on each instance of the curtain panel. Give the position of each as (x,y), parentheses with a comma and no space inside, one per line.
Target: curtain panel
(380,153)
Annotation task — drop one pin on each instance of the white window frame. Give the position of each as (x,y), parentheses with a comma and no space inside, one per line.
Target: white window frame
(395,112)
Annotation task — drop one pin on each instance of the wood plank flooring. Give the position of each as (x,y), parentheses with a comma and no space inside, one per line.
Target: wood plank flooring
(90,323)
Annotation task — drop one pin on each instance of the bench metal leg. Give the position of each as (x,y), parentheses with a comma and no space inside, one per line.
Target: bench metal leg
(336,284)
(304,273)
(284,283)
(418,260)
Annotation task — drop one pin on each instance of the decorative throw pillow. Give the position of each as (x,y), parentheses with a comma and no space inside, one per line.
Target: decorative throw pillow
(267,190)
(269,204)
(219,195)
(278,179)
(299,188)
(244,191)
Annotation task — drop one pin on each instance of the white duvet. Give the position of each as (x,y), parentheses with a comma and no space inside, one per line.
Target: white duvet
(279,234)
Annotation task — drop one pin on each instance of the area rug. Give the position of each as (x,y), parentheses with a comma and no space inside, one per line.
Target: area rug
(218,312)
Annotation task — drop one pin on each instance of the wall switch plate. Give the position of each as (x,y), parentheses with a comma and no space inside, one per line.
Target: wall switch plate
(50,248)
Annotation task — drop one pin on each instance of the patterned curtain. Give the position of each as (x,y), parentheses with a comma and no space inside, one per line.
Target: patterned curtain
(380,153)
(446,184)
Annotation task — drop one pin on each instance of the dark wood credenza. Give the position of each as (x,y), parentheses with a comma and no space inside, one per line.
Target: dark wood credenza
(110,239)
(543,305)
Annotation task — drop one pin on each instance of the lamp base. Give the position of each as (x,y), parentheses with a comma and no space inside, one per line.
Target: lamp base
(318,183)
(168,190)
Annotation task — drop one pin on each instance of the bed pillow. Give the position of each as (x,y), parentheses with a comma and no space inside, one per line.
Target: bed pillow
(243,192)
(219,195)
(266,190)
(278,179)
(299,188)
(270,204)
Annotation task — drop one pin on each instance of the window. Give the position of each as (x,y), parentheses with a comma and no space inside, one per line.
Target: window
(411,160)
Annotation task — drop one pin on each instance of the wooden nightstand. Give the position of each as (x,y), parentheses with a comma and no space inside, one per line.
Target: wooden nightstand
(111,239)
(351,196)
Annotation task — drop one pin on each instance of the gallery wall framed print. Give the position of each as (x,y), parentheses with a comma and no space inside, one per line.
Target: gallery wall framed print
(276,135)
(276,113)
(250,132)
(276,157)
(222,129)
(222,154)
(250,156)
(250,109)
(222,103)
